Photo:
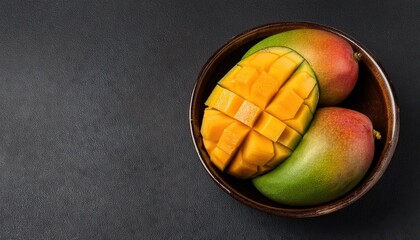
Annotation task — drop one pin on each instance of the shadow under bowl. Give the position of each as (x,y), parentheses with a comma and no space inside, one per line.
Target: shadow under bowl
(373,95)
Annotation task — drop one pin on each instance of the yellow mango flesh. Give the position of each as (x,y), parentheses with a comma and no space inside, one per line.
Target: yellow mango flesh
(258,112)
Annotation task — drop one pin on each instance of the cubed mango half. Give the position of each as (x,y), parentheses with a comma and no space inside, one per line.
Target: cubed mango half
(259,111)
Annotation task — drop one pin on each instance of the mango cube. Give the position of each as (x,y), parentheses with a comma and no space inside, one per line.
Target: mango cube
(289,138)
(302,119)
(301,83)
(232,137)
(209,145)
(284,67)
(240,168)
(224,100)
(280,154)
(269,126)
(214,123)
(247,113)
(220,158)
(257,149)
(244,79)
(285,104)
(263,90)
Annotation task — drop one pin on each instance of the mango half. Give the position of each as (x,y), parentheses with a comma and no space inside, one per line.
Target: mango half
(259,111)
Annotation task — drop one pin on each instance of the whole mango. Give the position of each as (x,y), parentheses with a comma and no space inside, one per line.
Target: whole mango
(332,58)
(331,159)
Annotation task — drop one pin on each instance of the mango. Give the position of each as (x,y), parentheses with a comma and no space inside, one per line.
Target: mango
(258,112)
(331,57)
(331,159)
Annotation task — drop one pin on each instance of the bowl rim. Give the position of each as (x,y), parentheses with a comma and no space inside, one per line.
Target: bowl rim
(354,194)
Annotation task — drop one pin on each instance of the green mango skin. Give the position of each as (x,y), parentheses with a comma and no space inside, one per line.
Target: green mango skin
(331,57)
(331,159)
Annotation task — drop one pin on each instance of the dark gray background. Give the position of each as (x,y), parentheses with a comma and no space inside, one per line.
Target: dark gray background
(94,134)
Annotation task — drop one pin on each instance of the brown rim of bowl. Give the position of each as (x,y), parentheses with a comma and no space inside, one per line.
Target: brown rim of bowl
(384,158)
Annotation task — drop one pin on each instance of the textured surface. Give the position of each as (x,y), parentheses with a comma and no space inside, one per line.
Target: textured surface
(94,128)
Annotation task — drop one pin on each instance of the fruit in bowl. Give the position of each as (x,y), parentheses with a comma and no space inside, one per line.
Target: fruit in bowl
(251,118)
(258,112)
(333,156)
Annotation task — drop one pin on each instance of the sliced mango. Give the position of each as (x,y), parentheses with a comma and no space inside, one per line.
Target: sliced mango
(270,126)
(301,120)
(214,123)
(220,158)
(225,101)
(257,149)
(289,138)
(233,105)
(229,142)
(258,112)
(301,83)
(312,99)
(285,105)
(261,62)
(228,81)
(247,113)
(209,145)
(240,168)
(263,90)
(283,68)
(232,137)
(280,154)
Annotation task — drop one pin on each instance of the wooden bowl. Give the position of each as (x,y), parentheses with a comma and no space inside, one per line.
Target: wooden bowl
(373,96)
